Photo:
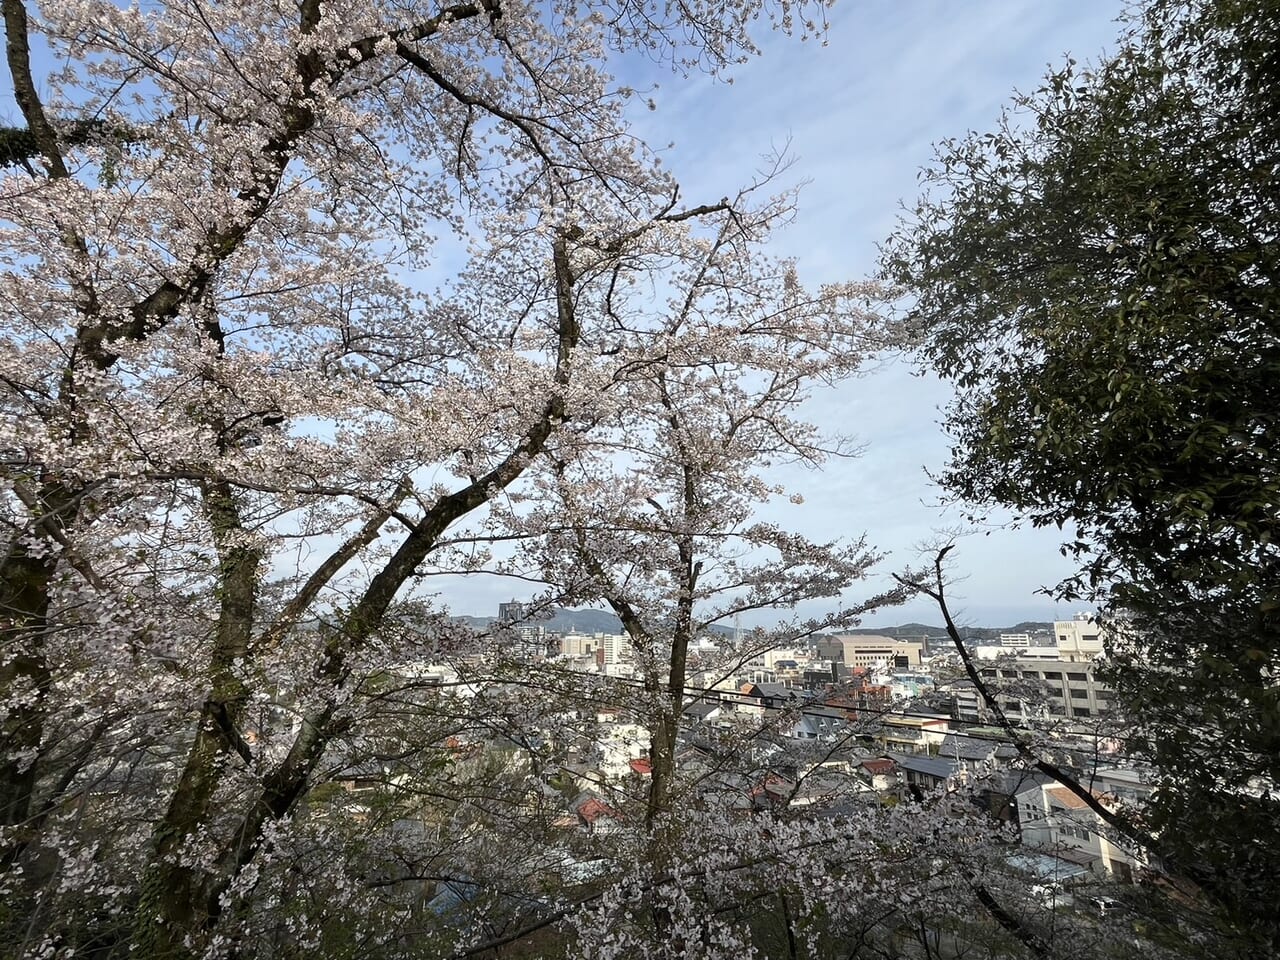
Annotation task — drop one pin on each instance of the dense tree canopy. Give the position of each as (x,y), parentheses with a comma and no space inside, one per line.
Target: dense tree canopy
(241,417)
(1098,277)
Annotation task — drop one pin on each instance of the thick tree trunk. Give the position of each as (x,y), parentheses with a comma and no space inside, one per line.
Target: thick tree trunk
(25,576)
(181,903)
(174,906)
(660,825)
(24,678)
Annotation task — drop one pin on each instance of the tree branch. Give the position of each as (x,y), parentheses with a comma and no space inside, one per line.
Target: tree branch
(1086,796)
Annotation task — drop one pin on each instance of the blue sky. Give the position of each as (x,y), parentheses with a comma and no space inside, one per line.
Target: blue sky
(861,115)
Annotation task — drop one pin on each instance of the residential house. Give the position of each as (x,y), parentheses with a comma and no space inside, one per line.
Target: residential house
(594,815)
(1055,820)
(920,774)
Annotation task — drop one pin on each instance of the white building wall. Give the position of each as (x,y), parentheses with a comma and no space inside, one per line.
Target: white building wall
(1078,639)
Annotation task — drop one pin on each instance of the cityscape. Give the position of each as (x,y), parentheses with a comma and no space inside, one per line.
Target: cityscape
(894,715)
(688,346)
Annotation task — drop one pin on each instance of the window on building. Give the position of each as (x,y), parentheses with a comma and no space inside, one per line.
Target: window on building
(1052,675)
(1076,676)
(1079,694)
(1081,712)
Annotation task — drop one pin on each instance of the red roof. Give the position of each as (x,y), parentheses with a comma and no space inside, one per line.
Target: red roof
(594,809)
(771,784)
(878,767)
(642,767)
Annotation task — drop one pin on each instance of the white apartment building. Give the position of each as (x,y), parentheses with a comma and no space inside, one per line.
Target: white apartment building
(617,648)
(1079,638)
(769,659)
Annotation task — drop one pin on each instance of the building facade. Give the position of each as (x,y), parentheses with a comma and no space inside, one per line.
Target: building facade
(871,650)
(1079,638)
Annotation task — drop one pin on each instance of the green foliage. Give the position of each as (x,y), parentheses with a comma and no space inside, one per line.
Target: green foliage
(1098,278)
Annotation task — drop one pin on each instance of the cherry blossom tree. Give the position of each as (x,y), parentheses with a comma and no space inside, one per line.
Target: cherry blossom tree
(654,515)
(237,421)
(656,518)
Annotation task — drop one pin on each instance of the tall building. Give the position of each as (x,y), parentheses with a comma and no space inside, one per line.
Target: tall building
(616,646)
(511,612)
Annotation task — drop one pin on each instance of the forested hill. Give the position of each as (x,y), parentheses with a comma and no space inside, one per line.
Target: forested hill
(601,621)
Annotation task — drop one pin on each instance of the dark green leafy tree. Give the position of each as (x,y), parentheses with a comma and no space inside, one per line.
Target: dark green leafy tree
(1098,278)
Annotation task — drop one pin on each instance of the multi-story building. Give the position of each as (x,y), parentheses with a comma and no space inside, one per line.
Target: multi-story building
(1069,688)
(616,646)
(912,734)
(606,648)
(1034,682)
(531,642)
(904,685)
(580,644)
(871,650)
(511,612)
(1079,638)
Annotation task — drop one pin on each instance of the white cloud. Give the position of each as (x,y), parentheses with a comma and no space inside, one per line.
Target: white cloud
(861,115)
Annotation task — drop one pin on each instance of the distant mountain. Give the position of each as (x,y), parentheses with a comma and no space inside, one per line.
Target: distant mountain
(561,620)
(589,620)
(1030,626)
(582,621)
(905,630)
(979,633)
